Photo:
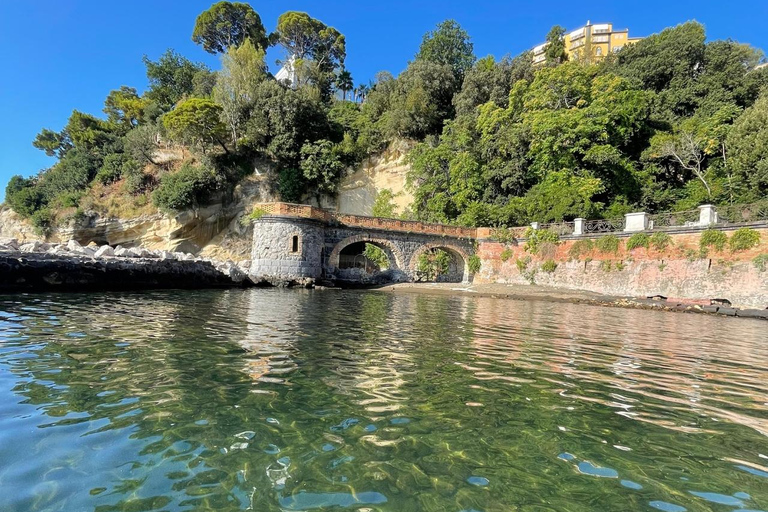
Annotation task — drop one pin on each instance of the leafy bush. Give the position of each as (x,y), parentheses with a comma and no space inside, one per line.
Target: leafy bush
(187,187)
(256,214)
(506,254)
(43,220)
(432,264)
(712,238)
(761,262)
(580,248)
(522,264)
(605,266)
(638,240)
(535,238)
(661,240)
(549,266)
(377,256)
(384,204)
(474,264)
(744,239)
(608,244)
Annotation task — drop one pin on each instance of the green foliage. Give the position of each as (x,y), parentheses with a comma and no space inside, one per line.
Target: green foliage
(748,142)
(376,255)
(660,240)
(580,248)
(43,220)
(744,239)
(474,263)
(111,169)
(125,107)
(606,265)
(549,266)
(506,254)
(448,45)
(620,266)
(171,78)
(536,238)
(237,85)
(53,143)
(555,52)
(638,240)
(256,214)
(228,24)
(23,196)
(195,121)
(433,263)
(322,166)
(384,204)
(187,187)
(712,238)
(522,263)
(608,244)
(761,262)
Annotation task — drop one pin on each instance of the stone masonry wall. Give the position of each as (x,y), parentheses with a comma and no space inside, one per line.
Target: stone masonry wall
(678,271)
(272,254)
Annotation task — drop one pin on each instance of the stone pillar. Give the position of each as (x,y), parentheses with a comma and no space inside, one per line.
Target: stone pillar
(578,226)
(636,222)
(707,215)
(286,248)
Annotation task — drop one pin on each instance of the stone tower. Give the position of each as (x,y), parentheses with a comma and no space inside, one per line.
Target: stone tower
(287,248)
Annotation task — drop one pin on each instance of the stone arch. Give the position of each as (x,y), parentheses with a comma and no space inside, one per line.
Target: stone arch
(455,250)
(390,248)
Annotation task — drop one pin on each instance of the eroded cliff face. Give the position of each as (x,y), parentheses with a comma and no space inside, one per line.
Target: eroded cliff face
(358,191)
(216,231)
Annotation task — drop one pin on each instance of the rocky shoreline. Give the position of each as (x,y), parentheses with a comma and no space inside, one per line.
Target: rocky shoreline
(40,266)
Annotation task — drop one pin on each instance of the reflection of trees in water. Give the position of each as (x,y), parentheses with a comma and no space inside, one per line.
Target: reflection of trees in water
(183,395)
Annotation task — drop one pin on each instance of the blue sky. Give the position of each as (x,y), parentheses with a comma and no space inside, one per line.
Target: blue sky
(60,55)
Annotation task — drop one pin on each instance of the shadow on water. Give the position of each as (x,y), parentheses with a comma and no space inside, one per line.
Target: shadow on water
(331,400)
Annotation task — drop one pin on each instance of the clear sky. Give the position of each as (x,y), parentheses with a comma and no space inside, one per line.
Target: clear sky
(60,55)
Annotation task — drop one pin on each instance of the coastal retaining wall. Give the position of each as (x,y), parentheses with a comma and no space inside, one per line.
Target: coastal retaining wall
(679,271)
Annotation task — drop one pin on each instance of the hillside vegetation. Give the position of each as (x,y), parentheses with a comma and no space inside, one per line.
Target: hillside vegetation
(669,123)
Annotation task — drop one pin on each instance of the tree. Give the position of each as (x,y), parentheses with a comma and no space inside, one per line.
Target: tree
(321,165)
(316,48)
(141,143)
(53,143)
(448,44)
(171,78)
(555,52)
(344,83)
(242,70)
(489,80)
(229,24)
(196,121)
(748,142)
(124,106)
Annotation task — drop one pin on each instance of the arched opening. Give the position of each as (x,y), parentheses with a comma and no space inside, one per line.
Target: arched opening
(440,264)
(367,256)
(366,260)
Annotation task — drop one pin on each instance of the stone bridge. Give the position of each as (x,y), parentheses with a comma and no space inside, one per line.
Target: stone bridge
(299,242)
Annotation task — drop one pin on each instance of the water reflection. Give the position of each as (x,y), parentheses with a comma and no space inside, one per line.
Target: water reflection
(329,400)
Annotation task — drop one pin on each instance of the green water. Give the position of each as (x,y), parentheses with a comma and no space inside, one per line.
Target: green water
(326,400)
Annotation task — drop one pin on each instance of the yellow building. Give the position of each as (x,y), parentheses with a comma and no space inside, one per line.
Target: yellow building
(590,43)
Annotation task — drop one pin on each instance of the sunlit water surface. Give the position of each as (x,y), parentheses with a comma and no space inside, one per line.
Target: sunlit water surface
(326,400)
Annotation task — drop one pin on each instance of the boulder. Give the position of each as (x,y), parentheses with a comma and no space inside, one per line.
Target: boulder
(74,246)
(122,252)
(10,244)
(104,251)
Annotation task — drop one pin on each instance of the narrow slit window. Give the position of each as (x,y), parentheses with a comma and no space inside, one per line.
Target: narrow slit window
(295,243)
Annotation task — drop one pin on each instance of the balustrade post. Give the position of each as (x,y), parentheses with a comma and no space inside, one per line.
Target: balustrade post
(707,215)
(636,221)
(578,226)
(534,225)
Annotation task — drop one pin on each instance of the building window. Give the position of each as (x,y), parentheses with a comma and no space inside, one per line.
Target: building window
(295,243)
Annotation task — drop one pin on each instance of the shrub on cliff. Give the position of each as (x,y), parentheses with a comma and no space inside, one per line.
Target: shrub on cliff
(761,262)
(537,238)
(187,187)
(580,248)
(608,244)
(744,239)
(474,264)
(661,241)
(638,240)
(549,266)
(712,238)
